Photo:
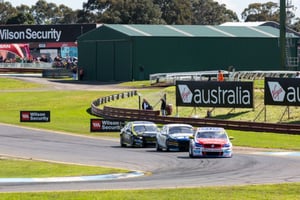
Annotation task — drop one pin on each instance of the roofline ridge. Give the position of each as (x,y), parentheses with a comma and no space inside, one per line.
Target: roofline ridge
(136,30)
(179,31)
(261,31)
(220,31)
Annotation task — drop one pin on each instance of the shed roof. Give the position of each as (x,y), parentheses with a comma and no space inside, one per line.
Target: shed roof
(196,30)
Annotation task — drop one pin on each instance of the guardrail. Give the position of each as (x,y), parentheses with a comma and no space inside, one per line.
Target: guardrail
(21,70)
(42,65)
(171,78)
(45,72)
(153,115)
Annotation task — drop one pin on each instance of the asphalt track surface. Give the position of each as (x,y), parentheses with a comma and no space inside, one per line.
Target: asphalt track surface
(162,169)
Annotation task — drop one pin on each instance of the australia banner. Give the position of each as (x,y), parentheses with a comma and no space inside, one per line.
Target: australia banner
(282,91)
(229,94)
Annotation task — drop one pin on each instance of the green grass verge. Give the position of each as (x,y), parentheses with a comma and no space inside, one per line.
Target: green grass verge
(69,112)
(265,140)
(257,192)
(15,84)
(18,168)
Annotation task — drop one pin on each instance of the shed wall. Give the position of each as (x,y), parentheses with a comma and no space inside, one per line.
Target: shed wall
(181,54)
(106,60)
(87,52)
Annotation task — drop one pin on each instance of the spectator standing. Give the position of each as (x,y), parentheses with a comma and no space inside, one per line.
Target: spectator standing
(298,75)
(74,72)
(163,107)
(220,75)
(146,105)
(81,74)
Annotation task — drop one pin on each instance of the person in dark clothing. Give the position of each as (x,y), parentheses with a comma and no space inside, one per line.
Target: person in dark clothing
(146,105)
(163,107)
(81,74)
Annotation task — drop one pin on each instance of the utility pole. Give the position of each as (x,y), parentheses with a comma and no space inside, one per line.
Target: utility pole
(282,34)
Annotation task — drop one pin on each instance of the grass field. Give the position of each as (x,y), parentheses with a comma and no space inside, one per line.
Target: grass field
(21,168)
(252,192)
(69,113)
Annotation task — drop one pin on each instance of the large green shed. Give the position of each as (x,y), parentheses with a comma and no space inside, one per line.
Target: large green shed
(133,52)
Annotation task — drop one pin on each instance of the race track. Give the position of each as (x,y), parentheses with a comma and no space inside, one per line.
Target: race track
(163,169)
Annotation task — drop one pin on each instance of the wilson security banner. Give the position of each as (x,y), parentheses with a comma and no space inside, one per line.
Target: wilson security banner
(43,33)
(34,116)
(214,94)
(106,125)
(282,91)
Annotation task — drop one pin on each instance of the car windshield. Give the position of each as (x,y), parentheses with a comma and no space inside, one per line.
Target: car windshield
(212,134)
(181,129)
(144,128)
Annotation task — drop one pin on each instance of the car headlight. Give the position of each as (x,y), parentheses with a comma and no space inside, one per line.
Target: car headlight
(227,145)
(171,139)
(198,145)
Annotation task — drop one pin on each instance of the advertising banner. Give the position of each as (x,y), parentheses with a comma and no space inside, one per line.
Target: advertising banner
(282,91)
(34,116)
(229,94)
(43,33)
(106,125)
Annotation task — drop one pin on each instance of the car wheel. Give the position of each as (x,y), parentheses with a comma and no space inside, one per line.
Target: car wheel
(167,148)
(157,146)
(121,142)
(191,154)
(131,142)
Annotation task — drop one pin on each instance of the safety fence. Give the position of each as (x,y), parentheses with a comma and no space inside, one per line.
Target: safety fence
(154,115)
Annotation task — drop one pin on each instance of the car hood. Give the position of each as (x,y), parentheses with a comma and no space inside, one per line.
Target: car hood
(146,133)
(212,141)
(180,135)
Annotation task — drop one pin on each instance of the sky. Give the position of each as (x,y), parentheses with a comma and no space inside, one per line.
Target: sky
(235,5)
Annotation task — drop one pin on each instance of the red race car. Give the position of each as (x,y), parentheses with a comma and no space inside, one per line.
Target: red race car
(210,142)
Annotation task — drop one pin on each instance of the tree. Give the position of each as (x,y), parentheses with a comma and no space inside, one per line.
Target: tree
(39,12)
(46,13)
(67,15)
(211,13)
(296,25)
(85,16)
(124,11)
(175,11)
(261,12)
(6,11)
(21,18)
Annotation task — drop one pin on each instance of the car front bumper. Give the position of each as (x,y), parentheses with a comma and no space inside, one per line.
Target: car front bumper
(211,152)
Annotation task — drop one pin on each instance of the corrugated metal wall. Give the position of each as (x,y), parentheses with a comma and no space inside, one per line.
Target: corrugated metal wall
(87,53)
(107,55)
(197,54)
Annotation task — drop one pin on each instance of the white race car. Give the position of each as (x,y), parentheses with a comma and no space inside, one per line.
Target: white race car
(210,142)
(174,137)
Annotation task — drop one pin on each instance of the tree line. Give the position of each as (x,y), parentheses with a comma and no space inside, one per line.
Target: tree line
(179,12)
